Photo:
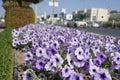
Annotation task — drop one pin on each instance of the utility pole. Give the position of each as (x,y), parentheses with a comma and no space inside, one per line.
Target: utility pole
(35,13)
(53,12)
(85,10)
(53,3)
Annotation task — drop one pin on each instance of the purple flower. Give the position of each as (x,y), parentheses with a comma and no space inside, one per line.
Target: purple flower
(23,42)
(28,56)
(61,40)
(66,71)
(93,69)
(116,66)
(71,49)
(101,56)
(97,61)
(69,59)
(57,59)
(76,76)
(116,58)
(74,41)
(27,76)
(40,64)
(79,63)
(55,44)
(86,54)
(40,52)
(118,42)
(35,45)
(79,53)
(49,65)
(103,74)
(15,33)
(41,75)
(110,47)
(51,51)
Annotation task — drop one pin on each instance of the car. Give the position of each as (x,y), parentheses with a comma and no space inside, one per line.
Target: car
(93,24)
(2,20)
(40,21)
(76,23)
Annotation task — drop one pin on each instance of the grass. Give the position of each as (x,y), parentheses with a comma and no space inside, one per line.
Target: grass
(6,55)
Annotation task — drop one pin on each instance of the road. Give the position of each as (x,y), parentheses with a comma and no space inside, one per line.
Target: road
(103,31)
(2,26)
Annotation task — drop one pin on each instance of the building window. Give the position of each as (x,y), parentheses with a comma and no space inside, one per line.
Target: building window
(94,18)
(102,17)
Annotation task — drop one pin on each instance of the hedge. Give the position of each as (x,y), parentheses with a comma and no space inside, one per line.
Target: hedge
(19,16)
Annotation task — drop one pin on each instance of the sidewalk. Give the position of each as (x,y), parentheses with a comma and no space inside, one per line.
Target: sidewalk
(1,30)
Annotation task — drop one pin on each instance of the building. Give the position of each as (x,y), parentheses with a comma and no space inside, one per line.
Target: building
(64,15)
(94,14)
(69,17)
(42,16)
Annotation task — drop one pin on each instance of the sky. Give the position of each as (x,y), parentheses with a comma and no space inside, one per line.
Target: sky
(72,5)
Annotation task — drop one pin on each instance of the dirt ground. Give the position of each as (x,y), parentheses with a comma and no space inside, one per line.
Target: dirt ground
(20,61)
(1,30)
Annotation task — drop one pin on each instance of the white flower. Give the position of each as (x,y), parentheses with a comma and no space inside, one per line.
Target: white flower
(79,53)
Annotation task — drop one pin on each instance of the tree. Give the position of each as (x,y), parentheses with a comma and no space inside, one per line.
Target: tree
(48,16)
(113,11)
(80,16)
(55,15)
(20,3)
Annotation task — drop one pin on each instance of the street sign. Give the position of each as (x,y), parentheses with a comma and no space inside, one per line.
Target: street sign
(53,3)
(63,10)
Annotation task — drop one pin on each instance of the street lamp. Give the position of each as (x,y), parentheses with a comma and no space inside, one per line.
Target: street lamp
(53,3)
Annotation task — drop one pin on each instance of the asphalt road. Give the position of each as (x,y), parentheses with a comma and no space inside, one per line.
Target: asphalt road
(103,31)
(2,25)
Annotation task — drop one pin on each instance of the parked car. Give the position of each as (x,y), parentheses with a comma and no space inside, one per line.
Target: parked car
(40,21)
(69,23)
(93,24)
(76,23)
(2,20)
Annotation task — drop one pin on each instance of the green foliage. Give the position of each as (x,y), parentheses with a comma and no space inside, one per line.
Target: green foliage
(115,19)
(20,3)
(48,16)
(107,63)
(33,1)
(18,12)
(6,56)
(113,11)
(111,24)
(9,4)
(80,16)
(19,16)
(55,15)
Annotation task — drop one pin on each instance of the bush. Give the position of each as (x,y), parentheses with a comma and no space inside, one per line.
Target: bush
(19,16)
(6,56)
(111,24)
(107,24)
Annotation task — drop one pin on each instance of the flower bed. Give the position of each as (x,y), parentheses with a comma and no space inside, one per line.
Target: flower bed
(59,53)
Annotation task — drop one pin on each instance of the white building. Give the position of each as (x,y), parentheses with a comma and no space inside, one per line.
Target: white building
(42,16)
(94,14)
(69,17)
